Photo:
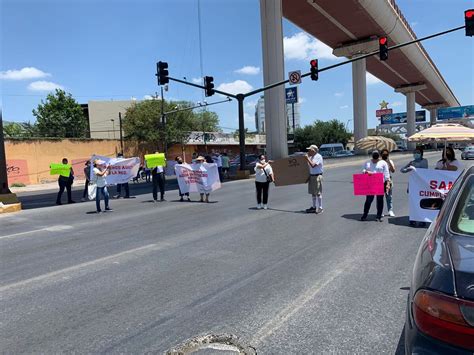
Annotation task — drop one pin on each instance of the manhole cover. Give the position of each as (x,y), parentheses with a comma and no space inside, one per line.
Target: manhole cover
(223,344)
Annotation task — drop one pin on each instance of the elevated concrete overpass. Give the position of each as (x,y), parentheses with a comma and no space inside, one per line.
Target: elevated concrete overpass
(352,28)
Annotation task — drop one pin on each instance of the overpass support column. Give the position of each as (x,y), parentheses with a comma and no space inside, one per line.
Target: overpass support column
(273,71)
(433,116)
(359,99)
(409,91)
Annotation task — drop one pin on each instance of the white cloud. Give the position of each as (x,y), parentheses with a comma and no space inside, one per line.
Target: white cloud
(249,117)
(26,73)
(251,104)
(339,94)
(197,81)
(44,86)
(248,70)
(235,87)
(303,47)
(371,80)
(344,107)
(396,104)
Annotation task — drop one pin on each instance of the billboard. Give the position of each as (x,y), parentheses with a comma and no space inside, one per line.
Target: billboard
(291,95)
(396,118)
(450,113)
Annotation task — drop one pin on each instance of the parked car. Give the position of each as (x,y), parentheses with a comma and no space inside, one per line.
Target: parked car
(330,149)
(250,161)
(468,152)
(343,153)
(440,307)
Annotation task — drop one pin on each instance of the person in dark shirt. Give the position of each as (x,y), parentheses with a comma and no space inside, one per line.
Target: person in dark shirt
(65,182)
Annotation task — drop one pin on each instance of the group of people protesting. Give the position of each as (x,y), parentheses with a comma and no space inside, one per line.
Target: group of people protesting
(264,175)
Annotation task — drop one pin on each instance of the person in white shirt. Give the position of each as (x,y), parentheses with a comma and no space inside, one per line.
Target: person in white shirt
(263,177)
(449,161)
(389,187)
(315,182)
(373,166)
(100,176)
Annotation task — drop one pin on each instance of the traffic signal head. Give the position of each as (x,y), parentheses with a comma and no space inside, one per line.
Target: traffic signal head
(314,69)
(469,18)
(383,47)
(162,73)
(209,84)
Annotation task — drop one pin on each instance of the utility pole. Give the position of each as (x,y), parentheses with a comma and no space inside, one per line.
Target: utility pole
(121,135)
(3,162)
(163,122)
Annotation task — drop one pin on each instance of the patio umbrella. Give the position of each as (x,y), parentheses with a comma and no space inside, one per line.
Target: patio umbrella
(376,142)
(442,132)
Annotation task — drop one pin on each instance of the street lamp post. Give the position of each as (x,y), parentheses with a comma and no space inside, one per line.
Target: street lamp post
(113,126)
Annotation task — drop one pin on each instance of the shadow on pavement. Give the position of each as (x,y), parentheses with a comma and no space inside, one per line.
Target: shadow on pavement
(356,217)
(404,221)
(278,210)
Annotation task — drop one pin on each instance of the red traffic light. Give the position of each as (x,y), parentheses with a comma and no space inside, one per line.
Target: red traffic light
(314,63)
(469,14)
(383,40)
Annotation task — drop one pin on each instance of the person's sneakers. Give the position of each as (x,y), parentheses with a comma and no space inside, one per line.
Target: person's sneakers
(383,215)
(108,209)
(162,199)
(319,211)
(391,214)
(181,199)
(311,210)
(265,207)
(98,211)
(117,196)
(155,201)
(363,218)
(379,219)
(259,206)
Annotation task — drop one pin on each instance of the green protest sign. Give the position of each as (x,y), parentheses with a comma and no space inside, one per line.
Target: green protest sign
(154,160)
(60,169)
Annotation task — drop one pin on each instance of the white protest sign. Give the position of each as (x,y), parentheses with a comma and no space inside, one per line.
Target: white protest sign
(122,170)
(202,178)
(426,184)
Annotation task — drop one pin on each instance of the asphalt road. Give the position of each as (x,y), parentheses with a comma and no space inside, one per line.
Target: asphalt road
(146,276)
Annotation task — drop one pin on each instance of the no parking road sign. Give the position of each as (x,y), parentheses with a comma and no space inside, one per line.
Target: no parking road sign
(294,77)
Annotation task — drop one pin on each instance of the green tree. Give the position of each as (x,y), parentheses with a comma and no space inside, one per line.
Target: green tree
(20,130)
(60,116)
(321,132)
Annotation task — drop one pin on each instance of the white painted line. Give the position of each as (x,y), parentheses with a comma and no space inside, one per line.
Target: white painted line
(57,228)
(281,318)
(78,267)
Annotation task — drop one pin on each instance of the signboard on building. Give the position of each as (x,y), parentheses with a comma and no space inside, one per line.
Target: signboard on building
(380,113)
(291,95)
(397,118)
(450,113)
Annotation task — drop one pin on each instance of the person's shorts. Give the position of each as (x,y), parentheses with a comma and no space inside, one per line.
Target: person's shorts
(315,185)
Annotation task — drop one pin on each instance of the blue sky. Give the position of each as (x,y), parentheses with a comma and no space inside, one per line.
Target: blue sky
(108,49)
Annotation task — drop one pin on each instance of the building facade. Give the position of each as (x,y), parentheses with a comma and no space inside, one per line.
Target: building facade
(293,116)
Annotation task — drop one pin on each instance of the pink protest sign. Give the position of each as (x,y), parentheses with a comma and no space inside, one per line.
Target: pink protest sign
(368,184)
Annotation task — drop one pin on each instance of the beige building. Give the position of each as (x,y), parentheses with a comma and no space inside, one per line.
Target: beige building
(104,118)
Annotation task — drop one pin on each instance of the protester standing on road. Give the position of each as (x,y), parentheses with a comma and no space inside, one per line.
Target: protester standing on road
(263,177)
(65,182)
(225,165)
(101,182)
(203,191)
(389,187)
(449,161)
(125,185)
(179,160)
(158,179)
(315,182)
(217,159)
(87,173)
(375,165)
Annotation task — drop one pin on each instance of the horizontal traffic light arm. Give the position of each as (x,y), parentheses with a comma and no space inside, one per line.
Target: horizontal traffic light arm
(271,86)
(202,87)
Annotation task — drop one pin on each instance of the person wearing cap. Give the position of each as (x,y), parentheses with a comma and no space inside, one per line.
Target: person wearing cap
(315,182)
(202,190)
(101,182)
(373,166)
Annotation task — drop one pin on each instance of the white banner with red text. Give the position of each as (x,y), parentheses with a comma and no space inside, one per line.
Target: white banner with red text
(425,187)
(122,170)
(202,178)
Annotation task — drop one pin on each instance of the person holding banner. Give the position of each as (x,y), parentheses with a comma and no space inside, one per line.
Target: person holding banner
(65,182)
(389,188)
(87,173)
(158,179)
(101,182)
(125,185)
(263,177)
(375,165)
(449,161)
(179,161)
(315,182)
(202,190)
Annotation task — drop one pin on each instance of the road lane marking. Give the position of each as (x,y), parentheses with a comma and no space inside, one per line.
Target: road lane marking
(281,318)
(80,266)
(58,228)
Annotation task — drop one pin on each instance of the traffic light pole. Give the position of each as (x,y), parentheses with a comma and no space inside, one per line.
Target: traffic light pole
(3,162)
(241,97)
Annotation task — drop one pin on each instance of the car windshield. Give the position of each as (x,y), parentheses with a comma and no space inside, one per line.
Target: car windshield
(463,218)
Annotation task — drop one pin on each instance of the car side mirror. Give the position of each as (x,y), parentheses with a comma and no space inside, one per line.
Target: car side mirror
(431,203)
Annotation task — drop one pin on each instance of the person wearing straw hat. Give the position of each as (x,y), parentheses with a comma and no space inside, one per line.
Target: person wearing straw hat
(315,182)
(101,182)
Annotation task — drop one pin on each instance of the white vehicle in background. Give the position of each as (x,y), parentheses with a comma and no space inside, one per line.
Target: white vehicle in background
(330,149)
